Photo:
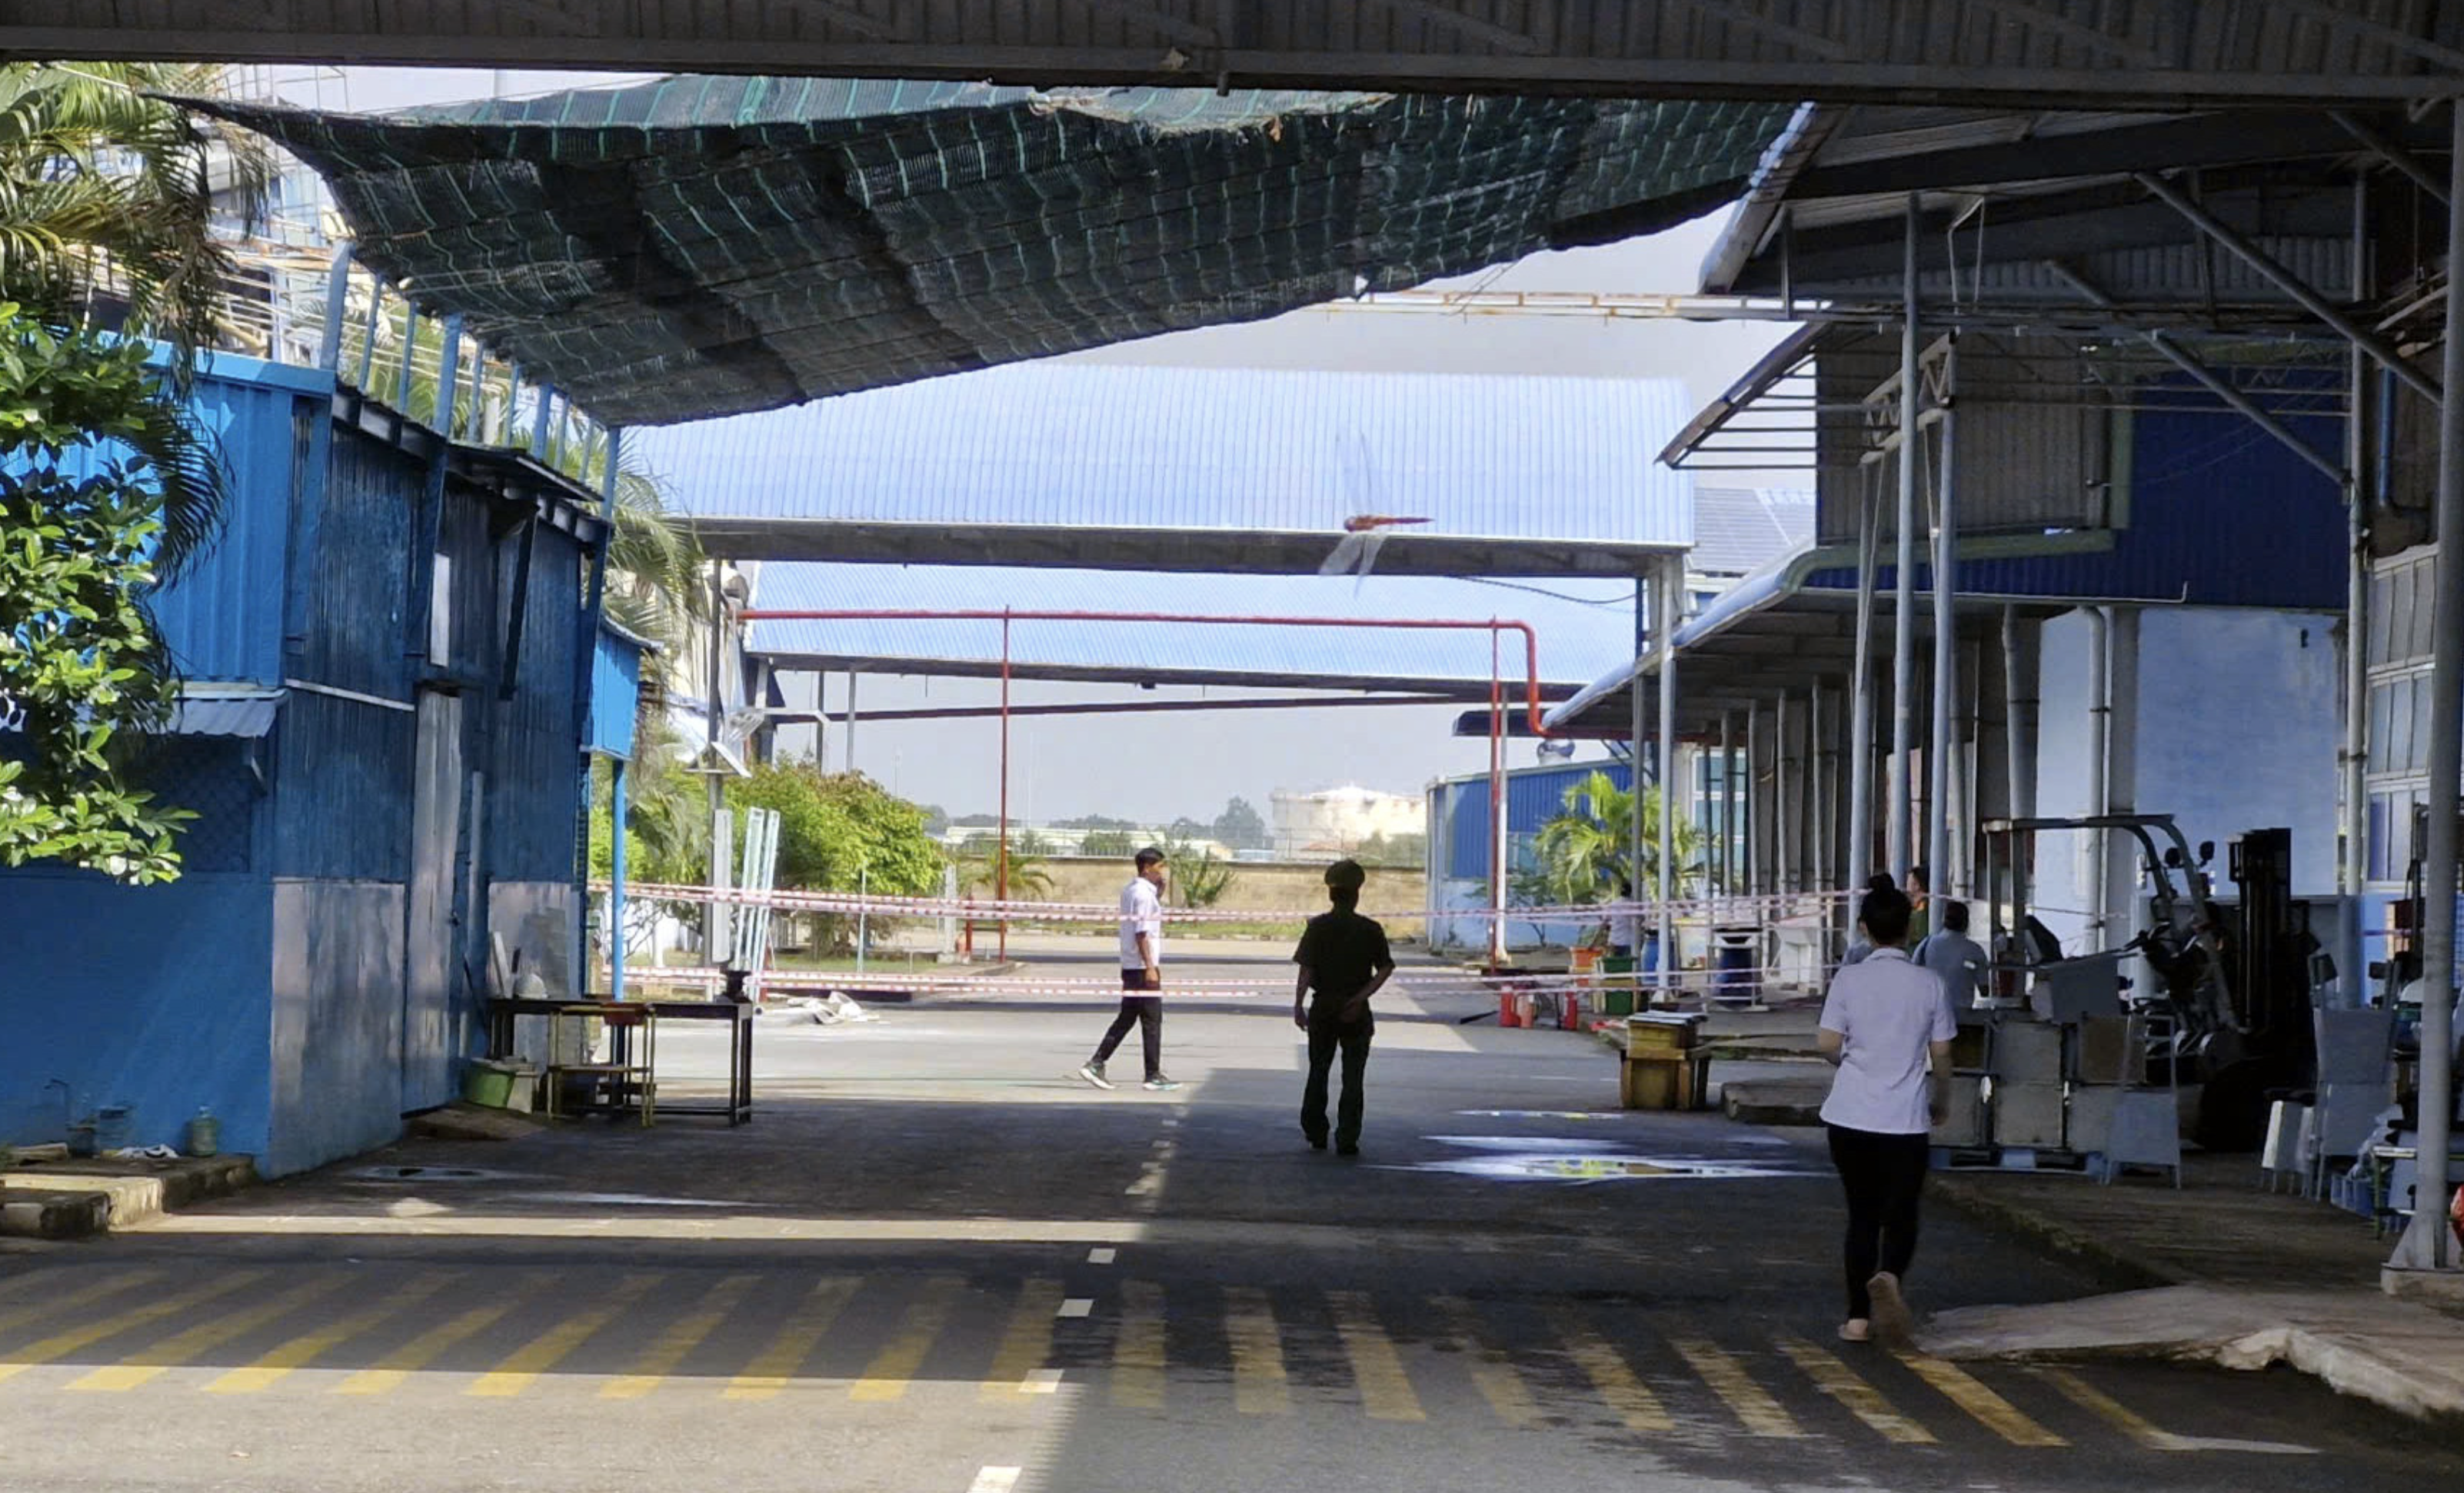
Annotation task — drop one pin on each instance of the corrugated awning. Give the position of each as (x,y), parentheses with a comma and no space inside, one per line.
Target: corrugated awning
(220,713)
(707,246)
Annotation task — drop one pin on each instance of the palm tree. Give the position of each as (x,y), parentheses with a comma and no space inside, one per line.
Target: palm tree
(979,871)
(1588,846)
(108,197)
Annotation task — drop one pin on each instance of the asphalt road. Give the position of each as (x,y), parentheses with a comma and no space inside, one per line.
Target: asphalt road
(934,1262)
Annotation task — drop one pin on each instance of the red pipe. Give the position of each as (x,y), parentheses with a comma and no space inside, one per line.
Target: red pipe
(1494,625)
(1001,862)
(1305,702)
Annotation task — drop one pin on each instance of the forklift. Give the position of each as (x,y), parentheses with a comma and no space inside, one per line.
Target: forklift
(2232,985)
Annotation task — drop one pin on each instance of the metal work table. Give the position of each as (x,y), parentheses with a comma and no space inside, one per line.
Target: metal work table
(737,1108)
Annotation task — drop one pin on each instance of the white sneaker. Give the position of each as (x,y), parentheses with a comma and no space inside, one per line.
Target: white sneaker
(1093,1073)
(1856,1330)
(1160,1084)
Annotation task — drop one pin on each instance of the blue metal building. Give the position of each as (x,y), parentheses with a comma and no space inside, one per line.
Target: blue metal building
(388,675)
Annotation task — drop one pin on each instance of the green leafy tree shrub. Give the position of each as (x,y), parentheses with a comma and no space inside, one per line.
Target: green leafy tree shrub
(1197,879)
(83,672)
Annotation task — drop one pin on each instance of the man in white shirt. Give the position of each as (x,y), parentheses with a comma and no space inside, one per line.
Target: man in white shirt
(1888,1026)
(1141,974)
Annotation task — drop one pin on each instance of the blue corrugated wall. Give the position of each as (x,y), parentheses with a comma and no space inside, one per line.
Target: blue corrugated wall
(536,792)
(152,996)
(2220,514)
(268,984)
(1533,798)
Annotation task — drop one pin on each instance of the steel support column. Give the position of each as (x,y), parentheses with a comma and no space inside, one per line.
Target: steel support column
(2353,865)
(1860,860)
(1904,589)
(2427,1243)
(1670,588)
(1946,628)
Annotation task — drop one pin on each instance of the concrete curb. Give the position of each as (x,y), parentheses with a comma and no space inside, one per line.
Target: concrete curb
(2401,1357)
(87,1197)
(2118,1264)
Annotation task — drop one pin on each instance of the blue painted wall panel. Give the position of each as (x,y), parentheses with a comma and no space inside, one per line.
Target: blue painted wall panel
(222,619)
(342,785)
(1533,798)
(156,996)
(615,695)
(535,790)
(358,584)
(2220,514)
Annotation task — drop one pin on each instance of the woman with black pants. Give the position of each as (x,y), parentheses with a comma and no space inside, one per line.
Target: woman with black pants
(1886,1026)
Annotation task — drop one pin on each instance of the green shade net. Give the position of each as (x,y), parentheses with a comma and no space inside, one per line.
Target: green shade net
(709,246)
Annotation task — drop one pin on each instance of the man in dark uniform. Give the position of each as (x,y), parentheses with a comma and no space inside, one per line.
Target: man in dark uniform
(1343,958)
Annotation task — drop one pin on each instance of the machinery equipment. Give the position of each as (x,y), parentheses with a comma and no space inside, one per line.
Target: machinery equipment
(2231,982)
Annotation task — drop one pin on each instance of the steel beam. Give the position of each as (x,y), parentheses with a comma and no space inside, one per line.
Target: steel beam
(2343,51)
(2208,378)
(2240,245)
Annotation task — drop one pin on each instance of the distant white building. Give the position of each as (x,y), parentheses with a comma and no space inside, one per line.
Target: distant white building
(1332,822)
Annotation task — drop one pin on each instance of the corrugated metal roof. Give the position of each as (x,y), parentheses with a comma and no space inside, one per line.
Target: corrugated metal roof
(225,714)
(1738,531)
(1237,458)
(1578,638)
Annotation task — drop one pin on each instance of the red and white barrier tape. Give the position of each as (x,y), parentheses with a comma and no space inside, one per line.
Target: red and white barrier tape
(992,911)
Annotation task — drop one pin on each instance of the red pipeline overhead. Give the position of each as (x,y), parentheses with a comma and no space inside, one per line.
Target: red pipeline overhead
(1538,725)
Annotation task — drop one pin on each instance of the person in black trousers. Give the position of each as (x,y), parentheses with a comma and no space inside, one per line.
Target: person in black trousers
(1344,960)
(1886,1026)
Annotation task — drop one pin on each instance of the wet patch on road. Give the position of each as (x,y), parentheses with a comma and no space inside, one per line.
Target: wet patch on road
(1528,1159)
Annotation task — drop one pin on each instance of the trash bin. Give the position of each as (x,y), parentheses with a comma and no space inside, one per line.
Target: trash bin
(1737,963)
(1616,985)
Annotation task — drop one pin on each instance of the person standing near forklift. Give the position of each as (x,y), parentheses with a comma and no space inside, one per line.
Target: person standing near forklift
(1344,959)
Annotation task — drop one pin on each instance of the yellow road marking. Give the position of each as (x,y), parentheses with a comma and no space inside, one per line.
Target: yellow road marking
(1970,1393)
(150,1363)
(1497,1381)
(1612,1380)
(1385,1389)
(1259,1385)
(1863,1401)
(522,1367)
(767,1374)
(2147,1432)
(59,1345)
(1138,1351)
(1026,1344)
(430,1346)
(886,1377)
(309,1347)
(83,1296)
(1754,1408)
(682,1336)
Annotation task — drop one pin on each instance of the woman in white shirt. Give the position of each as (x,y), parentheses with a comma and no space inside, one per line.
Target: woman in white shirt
(1888,1026)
